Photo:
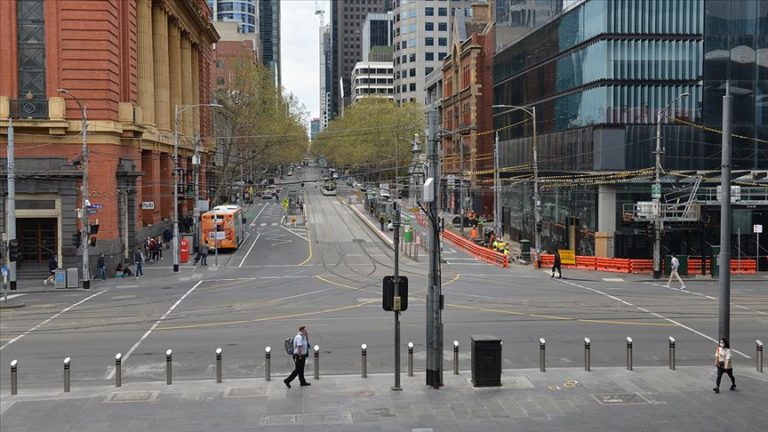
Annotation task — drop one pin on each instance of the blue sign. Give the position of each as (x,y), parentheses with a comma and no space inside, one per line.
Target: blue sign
(92,211)
(96,206)
(60,276)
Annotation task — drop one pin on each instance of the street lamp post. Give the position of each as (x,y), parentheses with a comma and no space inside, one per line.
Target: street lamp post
(85,233)
(536,199)
(178,110)
(658,225)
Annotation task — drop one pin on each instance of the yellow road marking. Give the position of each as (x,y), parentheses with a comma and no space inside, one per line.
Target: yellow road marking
(560,318)
(309,237)
(455,278)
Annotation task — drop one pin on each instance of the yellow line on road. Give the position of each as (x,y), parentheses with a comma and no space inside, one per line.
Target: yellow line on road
(455,278)
(560,318)
(272,318)
(309,237)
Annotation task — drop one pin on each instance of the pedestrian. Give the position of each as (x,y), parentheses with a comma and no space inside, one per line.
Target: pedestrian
(138,259)
(167,237)
(204,255)
(675,264)
(724,365)
(381,221)
(300,354)
(52,266)
(556,265)
(495,244)
(160,247)
(102,267)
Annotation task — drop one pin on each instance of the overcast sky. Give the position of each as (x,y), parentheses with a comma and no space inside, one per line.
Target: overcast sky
(300,50)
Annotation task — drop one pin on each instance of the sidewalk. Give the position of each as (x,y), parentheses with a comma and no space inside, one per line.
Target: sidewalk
(606,399)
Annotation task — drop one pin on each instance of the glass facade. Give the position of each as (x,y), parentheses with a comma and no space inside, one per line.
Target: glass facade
(242,12)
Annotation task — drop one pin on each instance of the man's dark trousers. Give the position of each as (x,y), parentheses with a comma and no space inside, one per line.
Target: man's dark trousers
(299,360)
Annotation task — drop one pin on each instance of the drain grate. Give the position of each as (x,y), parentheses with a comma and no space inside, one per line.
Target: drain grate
(620,399)
(132,397)
(246,392)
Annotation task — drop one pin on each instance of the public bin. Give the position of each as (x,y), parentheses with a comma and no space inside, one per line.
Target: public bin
(408,235)
(682,270)
(184,251)
(486,361)
(73,279)
(525,250)
(60,278)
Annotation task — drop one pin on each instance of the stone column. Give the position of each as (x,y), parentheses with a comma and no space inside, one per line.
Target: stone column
(606,221)
(174,56)
(195,67)
(161,67)
(146,61)
(186,84)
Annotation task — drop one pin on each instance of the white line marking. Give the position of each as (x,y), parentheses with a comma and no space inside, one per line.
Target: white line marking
(263,224)
(111,374)
(706,296)
(12,296)
(257,216)
(296,234)
(249,249)
(613,279)
(274,223)
(51,319)
(657,315)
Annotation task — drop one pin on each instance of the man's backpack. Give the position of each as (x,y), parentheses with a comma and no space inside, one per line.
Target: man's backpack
(289,346)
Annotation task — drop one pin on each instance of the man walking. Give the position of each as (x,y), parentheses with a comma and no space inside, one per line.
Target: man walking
(138,259)
(556,265)
(52,266)
(102,267)
(204,255)
(300,353)
(675,264)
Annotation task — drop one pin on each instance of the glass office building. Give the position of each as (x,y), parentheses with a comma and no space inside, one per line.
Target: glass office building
(242,12)
(599,75)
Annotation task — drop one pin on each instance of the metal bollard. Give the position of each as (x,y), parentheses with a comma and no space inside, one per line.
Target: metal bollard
(118,370)
(758,357)
(66,374)
(169,366)
(410,359)
(455,357)
(629,353)
(364,360)
(218,365)
(267,364)
(542,354)
(671,353)
(14,379)
(587,354)
(317,361)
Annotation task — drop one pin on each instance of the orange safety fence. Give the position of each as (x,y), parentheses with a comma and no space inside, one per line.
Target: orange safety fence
(744,266)
(585,262)
(641,266)
(476,250)
(614,265)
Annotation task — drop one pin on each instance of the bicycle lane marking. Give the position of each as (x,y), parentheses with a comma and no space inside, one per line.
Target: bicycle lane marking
(51,319)
(111,374)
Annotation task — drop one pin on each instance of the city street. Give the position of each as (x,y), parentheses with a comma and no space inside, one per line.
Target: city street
(328,275)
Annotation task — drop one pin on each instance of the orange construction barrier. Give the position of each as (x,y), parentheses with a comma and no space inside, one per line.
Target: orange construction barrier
(615,265)
(585,262)
(641,265)
(744,266)
(694,266)
(476,250)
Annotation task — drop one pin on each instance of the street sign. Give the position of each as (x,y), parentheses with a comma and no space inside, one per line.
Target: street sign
(655,191)
(757,229)
(96,206)
(92,211)
(147,205)
(218,235)
(567,256)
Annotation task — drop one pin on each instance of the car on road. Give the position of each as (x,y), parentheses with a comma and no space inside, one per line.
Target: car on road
(266,195)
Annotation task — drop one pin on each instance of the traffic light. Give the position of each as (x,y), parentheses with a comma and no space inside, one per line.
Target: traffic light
(13,250)
(388,293)
(93,241)
(76,239)
(538,227)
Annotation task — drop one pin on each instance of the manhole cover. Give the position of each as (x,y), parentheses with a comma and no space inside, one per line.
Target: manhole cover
(363,393)
(132,397)
(381,412)
(620,399)
(246,392)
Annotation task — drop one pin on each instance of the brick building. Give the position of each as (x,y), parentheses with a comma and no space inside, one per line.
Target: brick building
(467,111)
(231,46)
(129,63)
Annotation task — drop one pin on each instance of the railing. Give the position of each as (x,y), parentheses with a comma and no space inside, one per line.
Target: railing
(29,109)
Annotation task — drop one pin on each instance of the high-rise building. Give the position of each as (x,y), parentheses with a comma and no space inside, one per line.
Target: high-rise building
(377,37)
(422,41)
(602,87)
(517,18)
(269,31)
(314,128)
(243,12)
(326,80)
(347,19)
(372,79)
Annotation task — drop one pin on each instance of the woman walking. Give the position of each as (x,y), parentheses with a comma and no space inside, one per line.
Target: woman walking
(723,363)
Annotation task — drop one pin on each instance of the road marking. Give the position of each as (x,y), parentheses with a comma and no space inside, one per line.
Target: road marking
(274,223)
(705,296)
(455,278)
(12,296)
(249,249)
(309,242)
(263,224)
(613,279)
(111,374)
(51,318)
(657,315)
(257,216)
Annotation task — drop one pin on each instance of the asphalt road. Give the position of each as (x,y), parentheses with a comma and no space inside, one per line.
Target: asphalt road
(328,275)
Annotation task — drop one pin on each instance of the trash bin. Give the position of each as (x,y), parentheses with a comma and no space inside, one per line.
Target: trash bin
(60,278)
(682,270)
(486,361)
(525,250)
(73,279)
(408,234)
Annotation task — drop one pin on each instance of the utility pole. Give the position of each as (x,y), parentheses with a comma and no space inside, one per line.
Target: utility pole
(724,301)
(434,290)
(86,231)
(11,205)
(461,184)
(396,225)
(176,189)
(536,197)
(196,209)
(496,188)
